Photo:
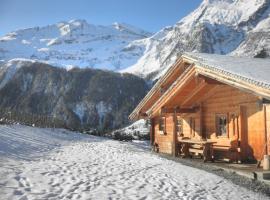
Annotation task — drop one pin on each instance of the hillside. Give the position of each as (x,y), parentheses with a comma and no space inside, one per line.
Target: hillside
(75,98)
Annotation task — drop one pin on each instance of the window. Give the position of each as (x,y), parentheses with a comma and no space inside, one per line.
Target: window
(221,123)
(162,124)
(179,126)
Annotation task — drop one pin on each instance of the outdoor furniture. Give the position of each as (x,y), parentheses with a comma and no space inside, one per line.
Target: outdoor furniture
(231,154)
(190,147)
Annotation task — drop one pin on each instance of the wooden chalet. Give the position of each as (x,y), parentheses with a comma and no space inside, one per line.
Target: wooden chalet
(214,101)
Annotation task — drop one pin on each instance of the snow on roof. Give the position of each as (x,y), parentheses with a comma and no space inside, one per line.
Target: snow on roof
(252,70)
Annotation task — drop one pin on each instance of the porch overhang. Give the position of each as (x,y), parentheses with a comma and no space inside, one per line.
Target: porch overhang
(158,89)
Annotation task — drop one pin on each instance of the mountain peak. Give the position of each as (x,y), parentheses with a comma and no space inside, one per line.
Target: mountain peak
(78,21)
(76,43)
(124,27)
(216,26)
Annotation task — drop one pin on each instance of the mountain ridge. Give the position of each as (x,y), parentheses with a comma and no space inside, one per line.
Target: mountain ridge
(216,26)
(232,27)
(75,43)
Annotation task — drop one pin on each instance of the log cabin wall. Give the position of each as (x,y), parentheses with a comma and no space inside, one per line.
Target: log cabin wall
(246,122)
(164,140)
(191,126)
(245,117)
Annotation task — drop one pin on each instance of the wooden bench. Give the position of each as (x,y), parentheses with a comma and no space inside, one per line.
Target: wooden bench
(197,147)
(232,153)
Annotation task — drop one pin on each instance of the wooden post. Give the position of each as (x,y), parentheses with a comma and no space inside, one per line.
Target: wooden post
(267,127)
(202,134)
(174,143)
(152,132)
(242,131)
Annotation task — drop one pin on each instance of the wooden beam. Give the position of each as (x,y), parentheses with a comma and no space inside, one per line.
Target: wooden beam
(152,132)
(179,110)
(181,82)
(242,131)
(265,130)
(194,92)
(265,101)
(210,80)
(174,145)
(143,114)
(208,94)
(241,85)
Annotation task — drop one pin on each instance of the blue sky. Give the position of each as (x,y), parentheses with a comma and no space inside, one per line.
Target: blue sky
(151,15)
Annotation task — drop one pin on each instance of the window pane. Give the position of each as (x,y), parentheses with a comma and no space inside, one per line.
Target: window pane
(162,123)
(221,125)
(179,125)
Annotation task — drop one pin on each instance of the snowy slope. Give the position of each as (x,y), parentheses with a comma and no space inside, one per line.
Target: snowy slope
(257,42)
(139,130)
(75,43)
(216,26)
(58,164)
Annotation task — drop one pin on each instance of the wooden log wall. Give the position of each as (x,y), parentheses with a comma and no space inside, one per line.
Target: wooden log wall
(230,101)
(164,140)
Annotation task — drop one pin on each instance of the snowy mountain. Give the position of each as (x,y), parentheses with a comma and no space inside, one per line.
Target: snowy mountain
(235,27)
(75,43)
(216,26)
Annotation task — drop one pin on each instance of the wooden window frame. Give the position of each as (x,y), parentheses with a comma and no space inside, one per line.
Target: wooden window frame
(217,116)
(162,131)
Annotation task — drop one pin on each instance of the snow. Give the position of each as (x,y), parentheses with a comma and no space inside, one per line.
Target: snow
(11,67)
(75,43)
(102,109)
(40,163)
(137,130)
(262,26)
(256,70)
(225,24)
(227,12)
(79,110)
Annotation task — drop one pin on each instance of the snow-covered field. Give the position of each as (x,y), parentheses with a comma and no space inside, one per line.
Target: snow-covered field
(58,164)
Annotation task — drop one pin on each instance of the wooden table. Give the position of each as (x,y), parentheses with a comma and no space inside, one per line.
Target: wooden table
(202,147)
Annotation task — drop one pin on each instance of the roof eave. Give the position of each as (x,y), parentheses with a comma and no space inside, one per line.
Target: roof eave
(135,115)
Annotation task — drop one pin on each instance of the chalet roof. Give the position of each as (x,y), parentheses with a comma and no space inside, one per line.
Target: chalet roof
(250,74)
(253,70)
